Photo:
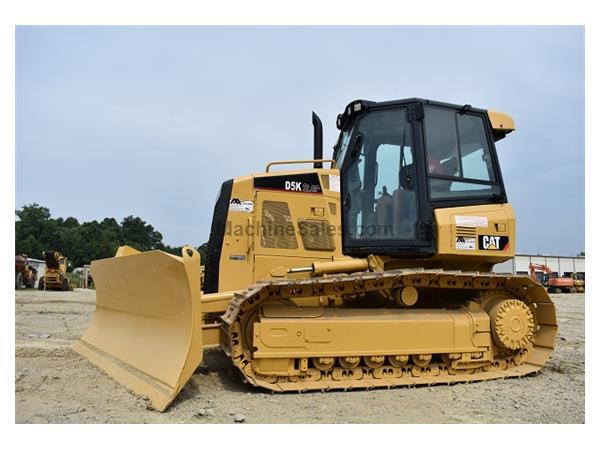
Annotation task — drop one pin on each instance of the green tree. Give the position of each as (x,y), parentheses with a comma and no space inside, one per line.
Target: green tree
(29,246)
(137,233)
(84,242)
(35,230)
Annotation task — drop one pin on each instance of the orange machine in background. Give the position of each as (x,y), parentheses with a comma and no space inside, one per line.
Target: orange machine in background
(556,284)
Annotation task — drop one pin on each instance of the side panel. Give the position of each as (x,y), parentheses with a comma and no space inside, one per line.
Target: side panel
(294,228)
(308,332)
(236,261)
(215,241)
(485,233)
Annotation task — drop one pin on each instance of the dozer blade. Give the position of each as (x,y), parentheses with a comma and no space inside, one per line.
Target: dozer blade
(146,332)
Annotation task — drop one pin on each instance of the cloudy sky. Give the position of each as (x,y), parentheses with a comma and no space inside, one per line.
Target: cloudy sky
(149,121)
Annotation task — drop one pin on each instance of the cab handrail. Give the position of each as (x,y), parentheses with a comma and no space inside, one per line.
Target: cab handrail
(302,161)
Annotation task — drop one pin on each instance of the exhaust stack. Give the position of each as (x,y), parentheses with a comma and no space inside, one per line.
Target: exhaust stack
(318,140)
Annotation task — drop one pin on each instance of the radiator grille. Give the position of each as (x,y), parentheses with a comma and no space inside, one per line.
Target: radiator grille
(316,234)
(466,231)
(277,228)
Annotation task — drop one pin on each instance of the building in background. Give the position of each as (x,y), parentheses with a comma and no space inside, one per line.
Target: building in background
(560,265)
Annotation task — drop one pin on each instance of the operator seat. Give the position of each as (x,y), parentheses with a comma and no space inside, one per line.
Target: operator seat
(404,212)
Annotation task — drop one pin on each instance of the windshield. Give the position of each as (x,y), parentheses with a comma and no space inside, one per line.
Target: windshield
(459,164)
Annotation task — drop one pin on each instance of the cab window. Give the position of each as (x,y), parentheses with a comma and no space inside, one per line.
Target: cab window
(459,163)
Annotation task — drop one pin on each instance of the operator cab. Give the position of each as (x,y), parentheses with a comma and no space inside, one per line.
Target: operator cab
(400,160)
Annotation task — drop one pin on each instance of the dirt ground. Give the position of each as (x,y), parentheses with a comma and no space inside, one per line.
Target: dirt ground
(55,385)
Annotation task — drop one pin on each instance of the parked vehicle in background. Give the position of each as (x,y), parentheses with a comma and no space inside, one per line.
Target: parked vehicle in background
(556,284)
(25,274)
(55,277)
(83,277)
(578,280)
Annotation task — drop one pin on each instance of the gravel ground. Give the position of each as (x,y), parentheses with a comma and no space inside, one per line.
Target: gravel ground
(55,385)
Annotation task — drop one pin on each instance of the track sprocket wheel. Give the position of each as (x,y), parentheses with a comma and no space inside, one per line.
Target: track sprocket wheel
(512,324)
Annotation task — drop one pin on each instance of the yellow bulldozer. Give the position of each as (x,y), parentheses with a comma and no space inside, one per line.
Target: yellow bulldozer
(55,276)
(373,272)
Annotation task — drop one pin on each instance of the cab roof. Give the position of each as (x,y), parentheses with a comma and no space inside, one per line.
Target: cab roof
(501,123)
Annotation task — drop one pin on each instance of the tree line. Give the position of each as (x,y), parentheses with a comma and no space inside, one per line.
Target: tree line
(36,231)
